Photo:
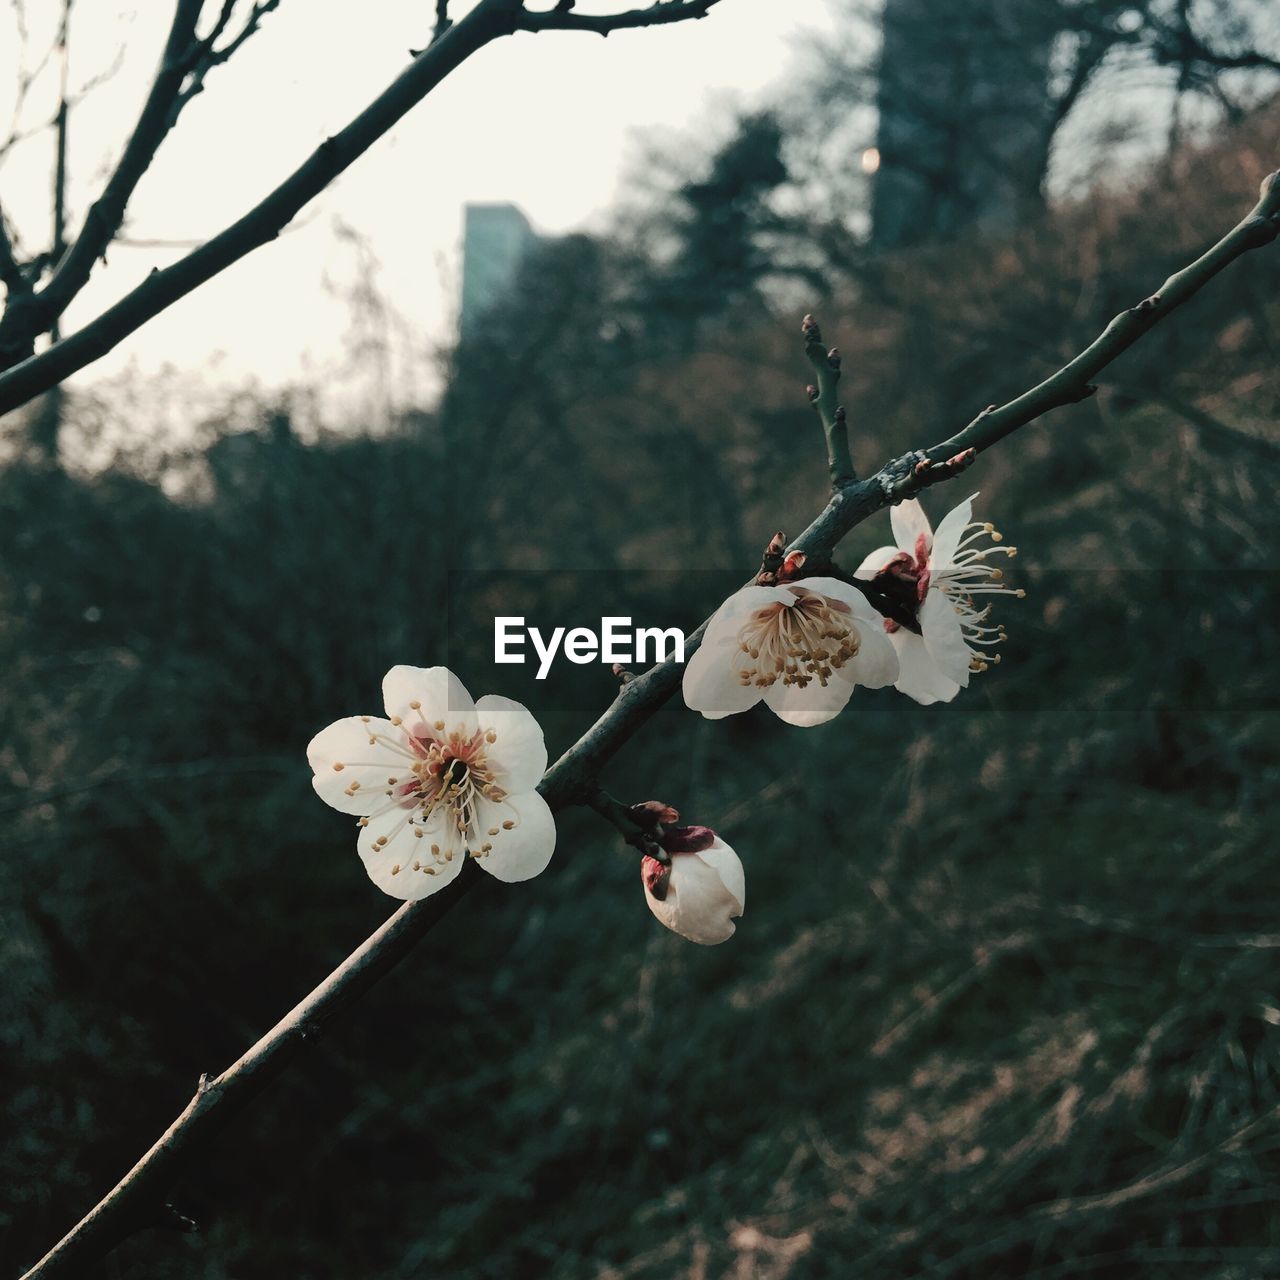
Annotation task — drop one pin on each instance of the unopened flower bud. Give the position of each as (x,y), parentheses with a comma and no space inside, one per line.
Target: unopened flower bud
(651,813)
(702,892)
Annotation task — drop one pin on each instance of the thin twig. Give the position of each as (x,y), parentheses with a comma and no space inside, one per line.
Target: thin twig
(443,21)
(823,397)
(1074,381)
(563,18)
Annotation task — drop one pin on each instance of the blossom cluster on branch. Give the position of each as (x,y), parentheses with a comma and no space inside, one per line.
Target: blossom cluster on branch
(442,778)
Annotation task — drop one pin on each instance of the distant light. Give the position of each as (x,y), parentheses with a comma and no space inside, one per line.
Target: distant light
(871,160)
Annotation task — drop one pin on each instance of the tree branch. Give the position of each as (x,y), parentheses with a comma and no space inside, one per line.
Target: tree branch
(210,57)
(138,1199)
(563,18)
(1073,382)
(19,329)
(264,222)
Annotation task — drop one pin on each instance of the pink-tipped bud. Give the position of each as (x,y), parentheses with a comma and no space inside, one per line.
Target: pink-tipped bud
(792,566)
(649,814)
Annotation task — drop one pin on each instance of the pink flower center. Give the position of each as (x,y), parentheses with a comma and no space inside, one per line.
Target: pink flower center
(451,771)
(905,580)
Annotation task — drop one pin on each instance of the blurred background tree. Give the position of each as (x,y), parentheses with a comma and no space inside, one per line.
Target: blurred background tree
(1003,1003)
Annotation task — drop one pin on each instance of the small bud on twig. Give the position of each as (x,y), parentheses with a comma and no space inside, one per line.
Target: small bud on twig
(653,813)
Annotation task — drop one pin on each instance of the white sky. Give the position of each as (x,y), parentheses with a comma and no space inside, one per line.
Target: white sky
(548,122)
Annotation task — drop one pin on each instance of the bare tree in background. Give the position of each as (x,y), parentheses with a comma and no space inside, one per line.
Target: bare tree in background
(972,101)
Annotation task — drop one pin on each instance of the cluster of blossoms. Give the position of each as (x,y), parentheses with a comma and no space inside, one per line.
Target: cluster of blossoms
(441,778)
(803,646)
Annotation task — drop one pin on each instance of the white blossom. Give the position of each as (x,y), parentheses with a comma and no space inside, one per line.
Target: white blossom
(801,648)
(940,576)
(439,778)
(703,890)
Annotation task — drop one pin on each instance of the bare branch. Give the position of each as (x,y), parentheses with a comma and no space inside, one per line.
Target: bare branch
(138,1199)
(185,62)
(563,17)
(1074,381)
(823,397)
(263,223)
(210,56)
(19,327)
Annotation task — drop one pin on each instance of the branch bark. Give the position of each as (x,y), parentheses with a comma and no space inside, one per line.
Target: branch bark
(137,1200)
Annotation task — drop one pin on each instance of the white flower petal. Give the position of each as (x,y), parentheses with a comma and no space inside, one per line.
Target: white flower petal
(345,761)
(390,865)
(813,704)
(909,522)
(944,637)
(845,593)
(524,851)
(519,753)
(876,561)
(876,662)
(920,677)
(710,682)
(439,693)
(947,538)
(699,905)
(721,858)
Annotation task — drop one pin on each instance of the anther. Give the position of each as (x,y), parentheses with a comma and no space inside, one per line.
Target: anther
(508,825)
(415,706)
(338,766)
(395,871)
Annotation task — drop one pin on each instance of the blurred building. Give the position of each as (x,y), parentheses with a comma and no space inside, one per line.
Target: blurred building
(965,117)
(496,238)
